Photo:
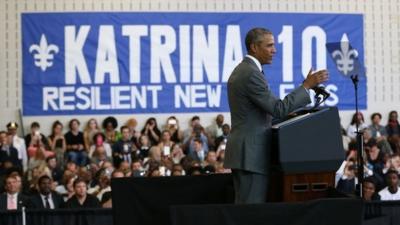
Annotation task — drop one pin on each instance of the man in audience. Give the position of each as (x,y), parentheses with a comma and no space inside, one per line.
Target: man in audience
(391,192)
(46,198)
(215,129)
(189,131)
(19,144)
(379,133)
(81,199)
(226,129)
(30,139)
(12,199)
(198,152)
(198,133)
(123,148)
(55,170)
(7,151)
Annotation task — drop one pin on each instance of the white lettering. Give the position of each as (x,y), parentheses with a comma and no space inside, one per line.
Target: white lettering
(134,32)
(75,63)
(163,44)
(106,60)
(205,53)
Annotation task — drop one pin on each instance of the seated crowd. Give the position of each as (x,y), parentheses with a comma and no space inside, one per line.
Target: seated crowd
(381,158)
(74,169)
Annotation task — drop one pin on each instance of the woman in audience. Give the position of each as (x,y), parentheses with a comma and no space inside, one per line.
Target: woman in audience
(110,125)
(75,144)
(151,130)
(173,127)
(99,141)
(57,142)
(66,188)
(90,130)
(357,119)
(369,190)
(166,144)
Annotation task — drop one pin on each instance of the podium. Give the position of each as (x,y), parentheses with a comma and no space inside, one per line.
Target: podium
(307,151)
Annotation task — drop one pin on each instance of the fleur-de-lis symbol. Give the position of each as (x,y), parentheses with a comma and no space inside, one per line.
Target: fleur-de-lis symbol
(345,57)
(43,53)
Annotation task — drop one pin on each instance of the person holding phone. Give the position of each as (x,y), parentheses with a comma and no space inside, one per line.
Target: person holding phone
(173,127)
(166,144)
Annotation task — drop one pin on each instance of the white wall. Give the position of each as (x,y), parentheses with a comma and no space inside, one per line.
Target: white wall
(382,45)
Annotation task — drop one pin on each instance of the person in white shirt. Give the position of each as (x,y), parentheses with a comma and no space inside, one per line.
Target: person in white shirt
(391,192)
(19,144)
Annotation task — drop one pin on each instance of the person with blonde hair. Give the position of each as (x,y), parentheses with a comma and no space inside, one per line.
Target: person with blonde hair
(91,128)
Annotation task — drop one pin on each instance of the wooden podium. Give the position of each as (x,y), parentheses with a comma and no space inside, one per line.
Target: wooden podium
(307,151)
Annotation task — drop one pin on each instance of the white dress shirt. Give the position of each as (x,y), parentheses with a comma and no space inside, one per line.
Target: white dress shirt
(50,199)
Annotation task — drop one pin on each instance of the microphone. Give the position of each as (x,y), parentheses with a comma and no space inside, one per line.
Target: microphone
(320,90)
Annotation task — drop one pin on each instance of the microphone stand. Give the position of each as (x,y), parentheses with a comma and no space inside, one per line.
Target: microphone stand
(359,140)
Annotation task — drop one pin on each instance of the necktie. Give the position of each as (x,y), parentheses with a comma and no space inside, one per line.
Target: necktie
(262,71)
(11,203)
(46,199)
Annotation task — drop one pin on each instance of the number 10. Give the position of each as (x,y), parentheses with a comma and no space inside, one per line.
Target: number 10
(309,33)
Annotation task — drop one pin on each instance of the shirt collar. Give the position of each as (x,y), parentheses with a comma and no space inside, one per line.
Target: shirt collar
(44,196)
(255,61)
(15,195)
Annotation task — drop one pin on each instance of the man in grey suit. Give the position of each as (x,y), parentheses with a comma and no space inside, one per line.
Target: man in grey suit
(252,107)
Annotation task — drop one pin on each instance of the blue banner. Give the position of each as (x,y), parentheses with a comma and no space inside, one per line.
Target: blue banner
(123,63)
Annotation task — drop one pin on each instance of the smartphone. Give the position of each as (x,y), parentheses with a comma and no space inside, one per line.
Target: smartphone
(166,150)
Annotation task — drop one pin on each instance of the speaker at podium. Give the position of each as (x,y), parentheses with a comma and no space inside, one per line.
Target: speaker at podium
(307,151)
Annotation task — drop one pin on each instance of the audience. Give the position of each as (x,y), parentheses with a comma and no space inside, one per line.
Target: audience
(77,167)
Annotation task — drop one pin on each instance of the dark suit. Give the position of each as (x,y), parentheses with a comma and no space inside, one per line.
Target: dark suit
(37,202)
(10,155)
(252,106)
(22,200)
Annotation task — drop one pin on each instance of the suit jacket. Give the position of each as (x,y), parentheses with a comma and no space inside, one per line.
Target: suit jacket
(22,200)
(37,203)
(252,106)
(12,156)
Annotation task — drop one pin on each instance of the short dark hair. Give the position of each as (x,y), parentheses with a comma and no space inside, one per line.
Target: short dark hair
(371,180)
(226,125)
(79,180)
(35,124)
(376,114)
(254,36)
(43,178)
(390,171)
(372,142)
(195,118)
(123,128)
(50,158)
(198,140)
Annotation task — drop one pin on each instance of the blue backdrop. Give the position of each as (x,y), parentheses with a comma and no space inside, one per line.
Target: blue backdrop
(110,63)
